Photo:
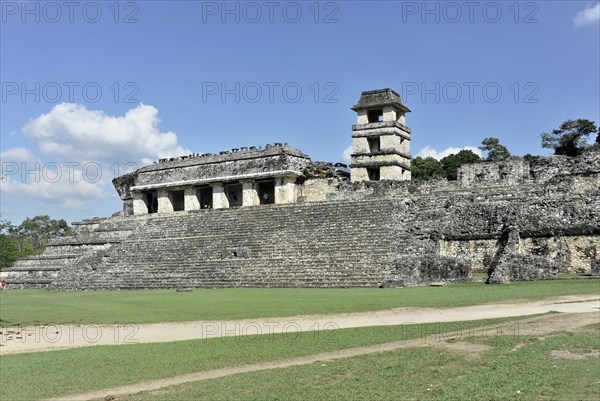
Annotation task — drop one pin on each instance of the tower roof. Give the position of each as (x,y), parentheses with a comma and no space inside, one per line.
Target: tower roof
(378,98)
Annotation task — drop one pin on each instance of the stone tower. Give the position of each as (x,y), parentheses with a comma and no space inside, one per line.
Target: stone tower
(380,138)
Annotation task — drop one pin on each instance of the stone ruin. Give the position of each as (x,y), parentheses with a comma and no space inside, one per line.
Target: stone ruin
(271,217)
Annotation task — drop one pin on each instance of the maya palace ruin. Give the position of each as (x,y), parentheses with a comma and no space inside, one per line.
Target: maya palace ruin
(271,217)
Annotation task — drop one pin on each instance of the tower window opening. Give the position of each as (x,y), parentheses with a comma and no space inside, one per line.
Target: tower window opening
(374,144)
(373,173)
(375,116)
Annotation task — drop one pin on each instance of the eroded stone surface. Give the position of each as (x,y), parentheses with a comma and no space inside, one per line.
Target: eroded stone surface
(270,217)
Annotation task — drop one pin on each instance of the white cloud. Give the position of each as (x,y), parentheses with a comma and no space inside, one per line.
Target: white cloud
(79,151)
(70,136)
(17,155)
(25,176)
(41,181)
(72,132)
(346,155)
(429,151)
(588,16)
(74,204)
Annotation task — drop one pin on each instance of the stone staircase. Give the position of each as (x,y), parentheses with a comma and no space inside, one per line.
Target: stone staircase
(377,240)
(36,271)
(61,255)
(338,244)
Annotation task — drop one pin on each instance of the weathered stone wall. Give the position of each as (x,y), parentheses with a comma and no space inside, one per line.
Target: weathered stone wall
(223,170)
(595,268)
(319,190)
(554,201)
(573,253)
(358,234)
(508,173)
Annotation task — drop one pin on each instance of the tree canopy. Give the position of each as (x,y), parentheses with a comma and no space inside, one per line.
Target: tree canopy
(570,139)
(427,169)
(452,162)
(495,150)
(28,238)
(9,251)
(39,229)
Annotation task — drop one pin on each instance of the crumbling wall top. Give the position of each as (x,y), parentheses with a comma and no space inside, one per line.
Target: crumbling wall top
(518,171)
(243,153)
(505,173)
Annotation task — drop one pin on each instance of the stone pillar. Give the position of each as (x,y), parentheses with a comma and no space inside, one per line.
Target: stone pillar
(219,197)
(391,173)
(285,190)
(362,117)
(191,200)
(139,204)
(389,113)
(128,207)
(359,174)
(249,194)
(164,203)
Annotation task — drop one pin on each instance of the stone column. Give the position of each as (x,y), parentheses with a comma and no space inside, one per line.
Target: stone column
(359,174)
(219,197)
(285,190)
(362,117)
(389,113)
(139,204)
(249,194)
(164,203)
(191,200)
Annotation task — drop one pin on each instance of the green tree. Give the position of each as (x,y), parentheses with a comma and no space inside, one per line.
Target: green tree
(39,230)
(427,169)
(596,146)
(32,235)
(452,162)
(9,251)
(495,150)
(570,139)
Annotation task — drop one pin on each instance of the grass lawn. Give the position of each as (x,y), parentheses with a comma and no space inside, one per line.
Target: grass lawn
(505,372)
(150,306)
(51,374)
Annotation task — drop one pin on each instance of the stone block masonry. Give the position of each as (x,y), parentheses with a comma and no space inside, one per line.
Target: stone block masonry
(270,217)
(337,244)
(595,270)
(368,234)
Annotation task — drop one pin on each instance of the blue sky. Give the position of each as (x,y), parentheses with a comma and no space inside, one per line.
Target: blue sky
(90,89)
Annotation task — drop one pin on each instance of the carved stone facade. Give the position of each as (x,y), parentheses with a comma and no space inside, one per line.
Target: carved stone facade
(270,217)
(240,177)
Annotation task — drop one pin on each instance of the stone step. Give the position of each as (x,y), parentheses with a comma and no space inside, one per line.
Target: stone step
(27,281)
(32,269)
(49,257)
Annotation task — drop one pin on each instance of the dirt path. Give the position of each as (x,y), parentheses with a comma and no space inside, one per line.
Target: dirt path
(48,338)
(544,324)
